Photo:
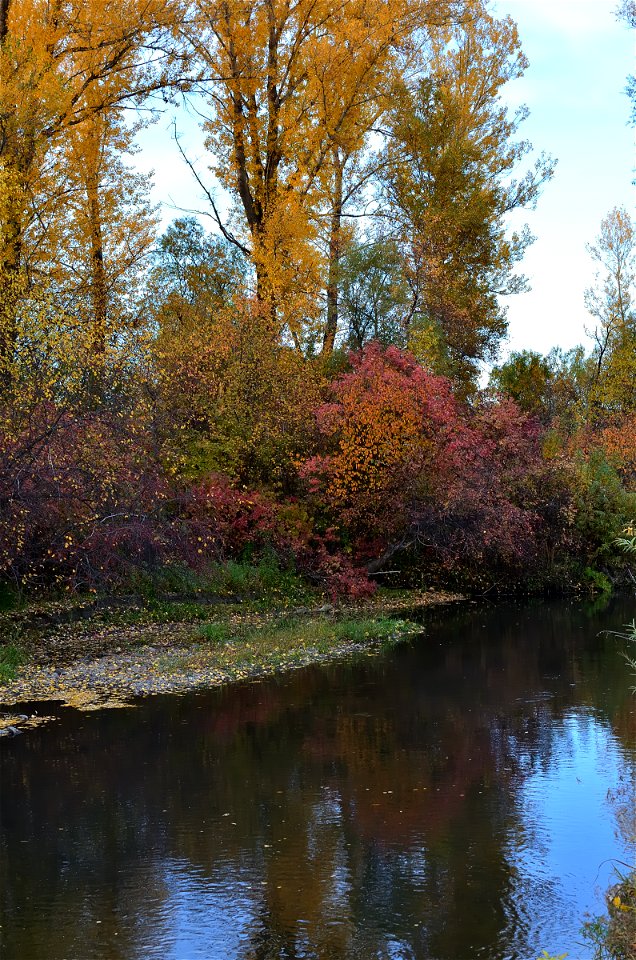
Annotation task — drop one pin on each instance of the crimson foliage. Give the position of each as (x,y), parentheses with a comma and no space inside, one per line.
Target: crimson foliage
(85,502)
(401,472)
(404,467)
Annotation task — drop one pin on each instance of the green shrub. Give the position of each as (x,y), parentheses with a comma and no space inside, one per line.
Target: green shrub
(596,581)
(603,507)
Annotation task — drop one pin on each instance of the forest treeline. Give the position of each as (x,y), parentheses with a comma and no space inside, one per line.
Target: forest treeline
(300,385)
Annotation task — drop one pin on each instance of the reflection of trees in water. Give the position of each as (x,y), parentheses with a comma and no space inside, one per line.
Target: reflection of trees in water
(361,800)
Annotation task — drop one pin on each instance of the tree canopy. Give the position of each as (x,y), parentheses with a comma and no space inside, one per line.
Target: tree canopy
(303,381)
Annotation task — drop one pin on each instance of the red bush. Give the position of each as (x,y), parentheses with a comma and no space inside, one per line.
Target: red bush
(404,466)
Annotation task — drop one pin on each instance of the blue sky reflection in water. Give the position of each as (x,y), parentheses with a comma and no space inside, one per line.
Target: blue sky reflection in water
(446,801)
(560,850)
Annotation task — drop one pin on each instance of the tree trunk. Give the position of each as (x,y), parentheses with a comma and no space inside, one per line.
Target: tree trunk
(4,19)
(335,250)
(12,284)
(10,252)
(98,290)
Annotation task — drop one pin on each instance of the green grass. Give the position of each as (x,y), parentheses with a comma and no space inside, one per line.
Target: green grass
(176,594)
(172,579)
(162,611)
(264,579)
(240,650)
(11,657)
(236,587)
(217,633)
(290,633)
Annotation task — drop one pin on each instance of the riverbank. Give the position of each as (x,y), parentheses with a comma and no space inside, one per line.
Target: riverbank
(93,656)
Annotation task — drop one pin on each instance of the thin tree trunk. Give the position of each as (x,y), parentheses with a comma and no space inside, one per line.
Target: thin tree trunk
(13,280)
(335,251)
(4,19)
(10,272)
(10,253)
(98,289)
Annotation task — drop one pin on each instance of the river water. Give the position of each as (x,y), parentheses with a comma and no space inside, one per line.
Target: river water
(455,798)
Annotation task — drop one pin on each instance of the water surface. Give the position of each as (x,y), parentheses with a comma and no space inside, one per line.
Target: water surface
(449,800)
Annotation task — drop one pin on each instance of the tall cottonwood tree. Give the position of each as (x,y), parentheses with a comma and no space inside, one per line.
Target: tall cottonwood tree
(375,299)
(62,63)
(450,182)
(104,241)
(612,302)
(293,86)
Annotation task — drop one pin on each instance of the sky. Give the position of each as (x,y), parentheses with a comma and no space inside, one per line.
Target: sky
(579,59)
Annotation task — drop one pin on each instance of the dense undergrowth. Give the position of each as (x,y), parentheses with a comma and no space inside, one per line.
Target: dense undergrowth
(393,480)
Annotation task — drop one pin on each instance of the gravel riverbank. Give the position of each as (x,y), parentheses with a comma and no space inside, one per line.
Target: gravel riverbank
(92,664)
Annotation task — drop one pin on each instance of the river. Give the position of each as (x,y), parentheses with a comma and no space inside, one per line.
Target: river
(453,798)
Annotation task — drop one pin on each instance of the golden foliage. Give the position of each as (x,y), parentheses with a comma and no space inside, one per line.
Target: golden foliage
(291,83)
(66,68)
(243,400)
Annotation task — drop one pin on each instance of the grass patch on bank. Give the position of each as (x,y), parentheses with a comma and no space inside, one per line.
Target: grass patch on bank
(174,595)
(289,632)
(222,651)
(286,641)
(11,657)
(264,580)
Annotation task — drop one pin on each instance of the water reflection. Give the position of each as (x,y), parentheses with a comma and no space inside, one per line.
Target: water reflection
(447,801)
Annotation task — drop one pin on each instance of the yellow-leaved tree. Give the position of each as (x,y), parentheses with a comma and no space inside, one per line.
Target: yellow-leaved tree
(98,245)
(293,91)
(64,64)
(611,302)
(454,171)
